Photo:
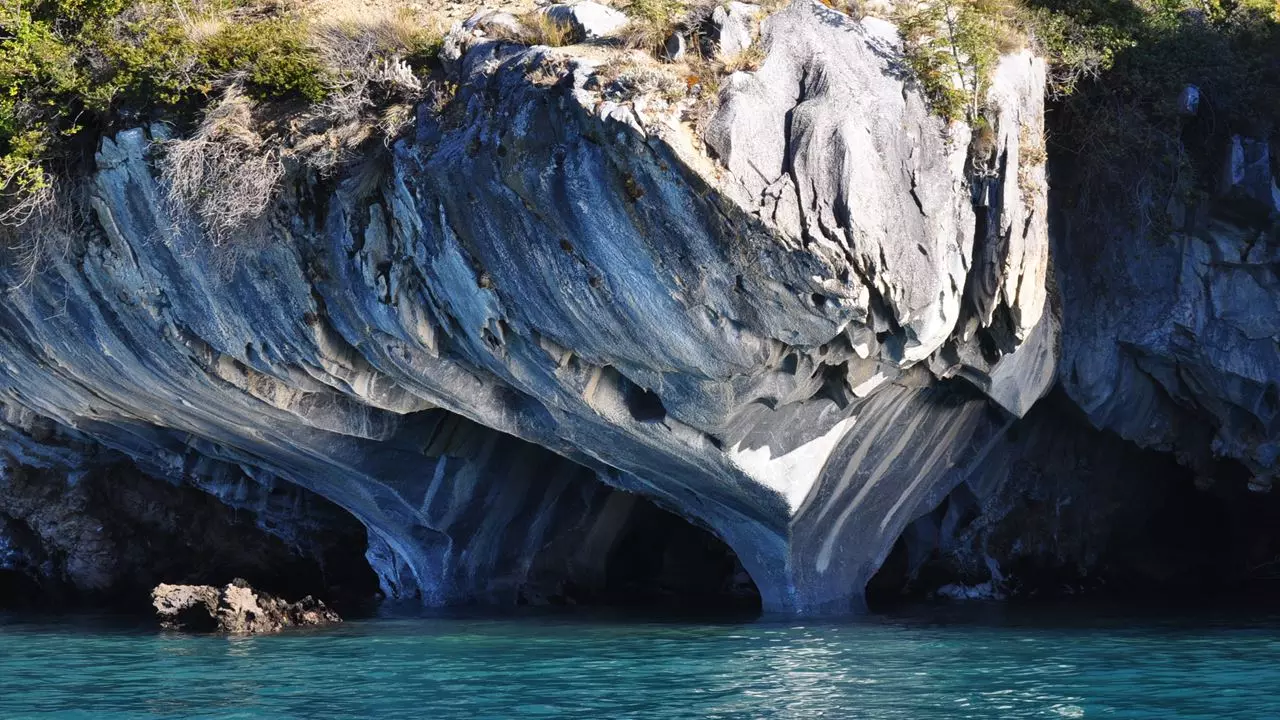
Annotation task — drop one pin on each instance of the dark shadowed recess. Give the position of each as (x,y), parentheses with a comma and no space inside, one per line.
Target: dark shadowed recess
(663,560)
(1062,510)
(656,561)
(104,537)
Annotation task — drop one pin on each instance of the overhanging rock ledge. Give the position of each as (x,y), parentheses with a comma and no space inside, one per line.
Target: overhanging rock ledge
(798,329)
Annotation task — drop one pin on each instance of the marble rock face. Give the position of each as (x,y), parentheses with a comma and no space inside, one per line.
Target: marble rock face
(799,330)
(83,524)
(735,25)
(1174,343)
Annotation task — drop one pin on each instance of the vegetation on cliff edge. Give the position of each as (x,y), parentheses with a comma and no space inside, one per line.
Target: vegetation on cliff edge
(72,69)
(1120,74)
(1132,146)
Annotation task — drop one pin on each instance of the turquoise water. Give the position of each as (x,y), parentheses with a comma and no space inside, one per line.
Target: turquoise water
(914,667)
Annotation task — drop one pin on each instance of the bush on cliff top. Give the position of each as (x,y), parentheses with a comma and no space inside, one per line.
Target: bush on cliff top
(1116,71)
(71,69)
(1131,150)
(953,47)
(1156,46)
(652,21)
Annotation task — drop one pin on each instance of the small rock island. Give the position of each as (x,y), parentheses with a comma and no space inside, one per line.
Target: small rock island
(234,609)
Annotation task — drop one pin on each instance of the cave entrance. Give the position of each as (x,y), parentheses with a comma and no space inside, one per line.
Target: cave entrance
(1061,511)
(19,591)
(638,556)
(143,531)
(512,523)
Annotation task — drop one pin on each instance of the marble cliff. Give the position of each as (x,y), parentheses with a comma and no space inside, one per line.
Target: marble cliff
(817,324)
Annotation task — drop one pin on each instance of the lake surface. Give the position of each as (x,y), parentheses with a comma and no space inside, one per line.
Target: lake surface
(971,663)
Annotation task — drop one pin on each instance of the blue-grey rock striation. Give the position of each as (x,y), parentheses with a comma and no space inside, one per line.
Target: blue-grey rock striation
(799,325)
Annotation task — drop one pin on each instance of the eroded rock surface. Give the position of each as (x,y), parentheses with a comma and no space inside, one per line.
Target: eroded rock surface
(1060,508)
(1171,341)
(235,609)
(799,332)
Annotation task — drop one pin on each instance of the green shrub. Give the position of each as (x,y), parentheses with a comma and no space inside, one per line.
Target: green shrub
(1116,70)
(1119,70)
(71,66)
(38,78)
(81,12)
(22,175)
(952,47)
(1078,48)
(422,47)
(274,55)
(150,60)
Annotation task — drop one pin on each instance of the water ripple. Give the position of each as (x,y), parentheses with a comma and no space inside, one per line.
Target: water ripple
(555,668)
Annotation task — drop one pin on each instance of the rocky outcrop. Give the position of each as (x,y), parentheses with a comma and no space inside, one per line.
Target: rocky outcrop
(735,26)
(582,299)
(1249,176)
(587,20)
(236,609)
(799,331)
(1169,348)
(1062,509)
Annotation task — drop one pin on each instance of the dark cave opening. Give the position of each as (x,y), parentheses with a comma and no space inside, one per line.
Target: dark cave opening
(1068,512)
(663,560)
(19,590)
(535,528)
(643,405)
(512,523)
(103,538)
(613,393)
(650,560)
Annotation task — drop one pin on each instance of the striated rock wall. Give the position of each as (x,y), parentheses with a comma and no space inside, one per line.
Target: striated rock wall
(799,331)
(1169,347)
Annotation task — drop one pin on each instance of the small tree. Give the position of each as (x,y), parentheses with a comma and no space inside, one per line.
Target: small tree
(953,47)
